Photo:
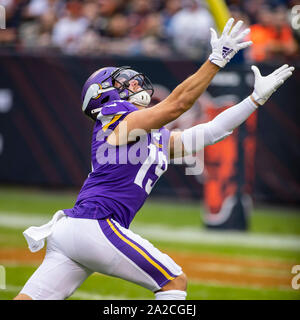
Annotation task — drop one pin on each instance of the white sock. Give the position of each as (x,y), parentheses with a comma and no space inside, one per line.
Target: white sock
(170,295)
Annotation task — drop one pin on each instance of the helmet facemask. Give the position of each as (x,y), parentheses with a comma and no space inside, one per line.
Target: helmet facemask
(121,80)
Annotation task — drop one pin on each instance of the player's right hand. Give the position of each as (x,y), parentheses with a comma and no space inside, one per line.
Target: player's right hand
(230,42)
(265,86)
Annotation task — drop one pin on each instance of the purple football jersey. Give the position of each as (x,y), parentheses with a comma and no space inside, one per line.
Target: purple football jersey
(122,177)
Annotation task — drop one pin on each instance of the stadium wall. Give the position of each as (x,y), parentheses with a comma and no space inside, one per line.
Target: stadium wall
(45,139)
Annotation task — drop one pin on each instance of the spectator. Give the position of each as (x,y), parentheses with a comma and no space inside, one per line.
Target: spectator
(148,35)
(140,10)
(70,29)
(107,9)
(261,35)
(252,8)
(283,45)
(38,32)
(37,8)
(14,10)
(47,22)
(190,29)
(272,37)
(91,10)
(117,40)
(171,8)
(153,42)
(155,28)
(118,27)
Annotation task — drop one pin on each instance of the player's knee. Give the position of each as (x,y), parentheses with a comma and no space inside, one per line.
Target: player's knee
(179,283)
(22,296)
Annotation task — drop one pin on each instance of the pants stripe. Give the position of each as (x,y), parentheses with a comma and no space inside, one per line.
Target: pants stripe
(136,253)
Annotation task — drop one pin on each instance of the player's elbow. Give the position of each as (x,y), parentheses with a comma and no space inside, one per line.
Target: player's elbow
(177,110)
(179,106)
(185,102)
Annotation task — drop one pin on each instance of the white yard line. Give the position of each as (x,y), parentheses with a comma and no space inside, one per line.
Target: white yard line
(177,235)
(17,220)
(79,294)
(226,238)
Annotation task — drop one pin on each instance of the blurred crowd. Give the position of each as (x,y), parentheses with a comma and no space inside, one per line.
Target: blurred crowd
(154,28)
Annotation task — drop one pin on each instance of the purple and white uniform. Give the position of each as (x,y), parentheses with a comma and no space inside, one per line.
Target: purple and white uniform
(94,236)
(122,177)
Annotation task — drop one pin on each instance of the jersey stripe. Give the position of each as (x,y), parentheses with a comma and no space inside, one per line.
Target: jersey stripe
(114,119)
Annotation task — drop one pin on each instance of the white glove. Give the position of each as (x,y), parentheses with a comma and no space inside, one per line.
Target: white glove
(265,86)
(224,48)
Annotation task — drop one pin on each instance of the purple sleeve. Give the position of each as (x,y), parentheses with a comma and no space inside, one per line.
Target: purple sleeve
(118,108)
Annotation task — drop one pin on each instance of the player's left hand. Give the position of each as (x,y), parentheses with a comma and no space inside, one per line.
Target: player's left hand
(230,42)
(265,86)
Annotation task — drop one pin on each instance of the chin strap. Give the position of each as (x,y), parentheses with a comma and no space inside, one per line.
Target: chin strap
(141,98)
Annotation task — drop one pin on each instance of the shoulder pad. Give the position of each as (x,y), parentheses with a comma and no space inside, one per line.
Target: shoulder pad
(118,107)
(113,113)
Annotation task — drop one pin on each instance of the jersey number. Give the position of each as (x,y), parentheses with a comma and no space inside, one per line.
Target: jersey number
(162,160)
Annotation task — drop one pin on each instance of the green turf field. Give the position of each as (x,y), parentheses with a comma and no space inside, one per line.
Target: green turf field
(273,238)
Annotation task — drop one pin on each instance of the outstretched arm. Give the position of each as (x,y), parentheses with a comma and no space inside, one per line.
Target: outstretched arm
(184,95)
(199,136)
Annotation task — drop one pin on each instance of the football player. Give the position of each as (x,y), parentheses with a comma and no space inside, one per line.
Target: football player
(94,235)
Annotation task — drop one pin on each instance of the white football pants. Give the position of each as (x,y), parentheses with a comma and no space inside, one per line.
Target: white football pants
(78,247)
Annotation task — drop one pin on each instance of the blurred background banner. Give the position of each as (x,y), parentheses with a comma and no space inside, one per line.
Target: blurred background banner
(45,138)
